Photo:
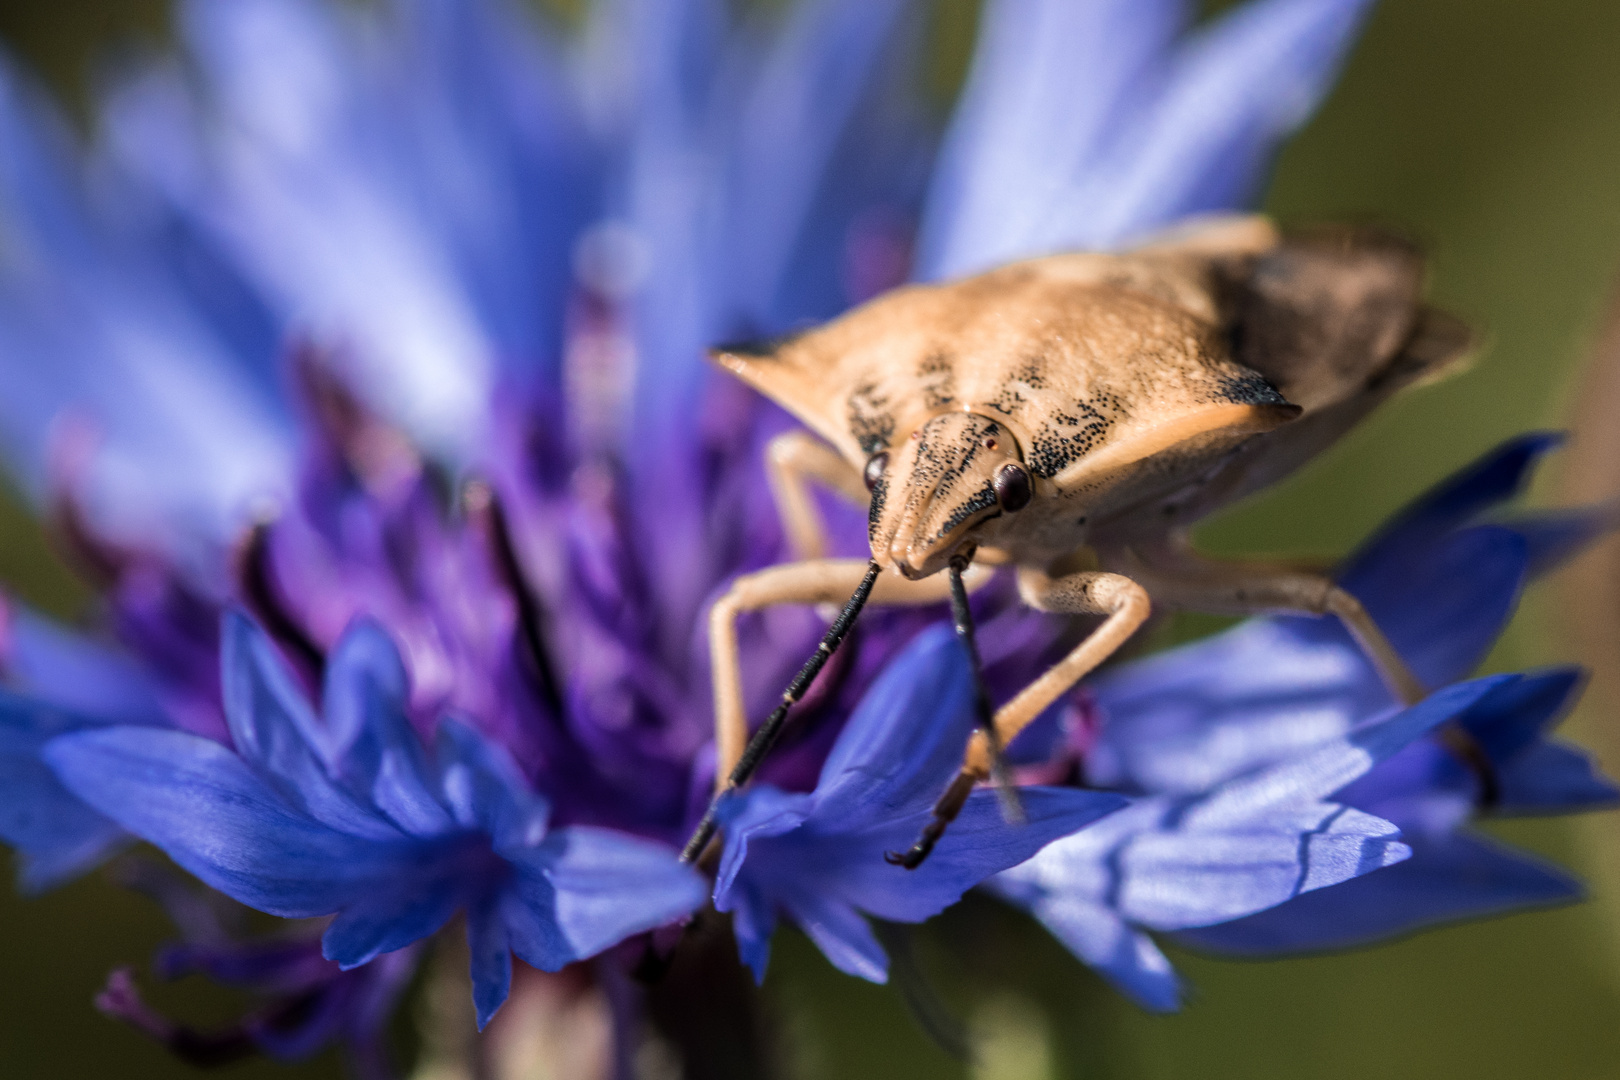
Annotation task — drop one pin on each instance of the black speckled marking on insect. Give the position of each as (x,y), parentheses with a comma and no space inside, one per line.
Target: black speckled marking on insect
(940,466)
(1070,436)
(1011,397)
(870,420)
(874,512)
(936,381)
(1250,389)
(981,500)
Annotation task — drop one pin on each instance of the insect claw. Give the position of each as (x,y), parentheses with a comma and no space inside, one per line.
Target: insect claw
(914,856)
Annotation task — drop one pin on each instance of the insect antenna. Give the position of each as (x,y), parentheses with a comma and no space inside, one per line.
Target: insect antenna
(760,744)
(955,797)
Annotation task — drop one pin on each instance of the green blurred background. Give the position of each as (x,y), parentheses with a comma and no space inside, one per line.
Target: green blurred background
(1492,129)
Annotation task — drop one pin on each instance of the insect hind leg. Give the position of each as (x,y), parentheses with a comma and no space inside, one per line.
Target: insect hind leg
(1126,605)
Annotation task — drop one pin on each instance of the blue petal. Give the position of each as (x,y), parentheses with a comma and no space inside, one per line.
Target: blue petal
(905,740)
(373,748)
(586,889)
(1534,775)
(830,868)
(1155,864)
(1193,717)
(276,733)
(313,206)
(391,918)
(57,835)
(1445,605)
(842,934)
(1514,718)
(1123,955)
(1054,84)
(484,790)
(759,812)
(1084,126)
(753,922)
(674,58)
(1234,92)
(217,818)
(978,844)
(134,362)
(1456,501)
(1324,771)
(1553,777)
(78,673)
(814,77)
(504,165)
(1175,879)
(491,951)
(1455,877)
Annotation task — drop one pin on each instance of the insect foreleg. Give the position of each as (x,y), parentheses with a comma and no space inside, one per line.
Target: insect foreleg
(816,581)
(1180,578)
(1087,593)
(791,460)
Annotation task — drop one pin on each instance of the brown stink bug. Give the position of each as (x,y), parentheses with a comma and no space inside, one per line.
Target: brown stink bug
(1073,415)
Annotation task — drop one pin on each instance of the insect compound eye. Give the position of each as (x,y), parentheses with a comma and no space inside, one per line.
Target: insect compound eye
(1012,486)
(874,468)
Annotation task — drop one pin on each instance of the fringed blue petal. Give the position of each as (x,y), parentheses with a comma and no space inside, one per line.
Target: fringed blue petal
(887,763)
(374,751)
(216,817)
(1460,876)
(57,835)
(277,735)
(390,919)
(491,951)
(586,889)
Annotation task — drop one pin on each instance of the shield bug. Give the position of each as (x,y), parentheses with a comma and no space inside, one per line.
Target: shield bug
(1073,416)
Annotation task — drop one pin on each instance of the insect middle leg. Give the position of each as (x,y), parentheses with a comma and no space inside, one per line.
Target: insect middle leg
(1126,605)
(791,460)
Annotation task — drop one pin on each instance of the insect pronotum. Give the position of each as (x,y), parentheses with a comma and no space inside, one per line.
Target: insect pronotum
(1084,404)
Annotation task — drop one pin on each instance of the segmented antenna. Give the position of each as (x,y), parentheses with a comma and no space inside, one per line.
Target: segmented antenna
(760,744)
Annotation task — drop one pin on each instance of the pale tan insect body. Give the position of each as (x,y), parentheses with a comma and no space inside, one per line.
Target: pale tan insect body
(1085,402)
